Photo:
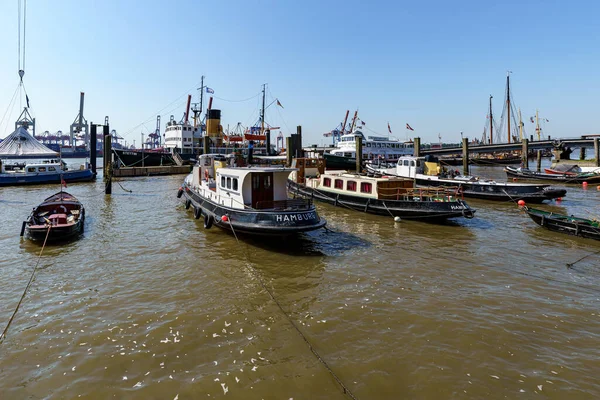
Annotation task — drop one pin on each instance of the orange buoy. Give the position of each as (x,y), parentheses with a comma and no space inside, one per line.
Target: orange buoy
(584,184)
(559,199)
(521,203)
(598,187)
(224,218)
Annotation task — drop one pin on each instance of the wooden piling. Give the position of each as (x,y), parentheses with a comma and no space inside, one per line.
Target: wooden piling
(539,160)
(417,148)
(108,165)
(582,153)
(358,154)
(465,155)
(524,152)
(288,150)
(93,150)
(597,151)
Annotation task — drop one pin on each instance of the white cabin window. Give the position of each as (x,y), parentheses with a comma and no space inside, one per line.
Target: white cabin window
(228,183)
(223,181)
(406,163)
(42,169)
(235,184)
(412,163)
(31,169)
(51,169)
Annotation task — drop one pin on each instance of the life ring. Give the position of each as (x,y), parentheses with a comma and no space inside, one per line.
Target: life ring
(206,177)
(197,212)
(208,221)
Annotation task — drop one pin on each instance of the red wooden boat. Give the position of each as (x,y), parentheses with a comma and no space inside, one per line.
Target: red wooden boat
(59,217)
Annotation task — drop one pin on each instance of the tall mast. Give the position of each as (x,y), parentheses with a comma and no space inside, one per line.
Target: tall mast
(537,124)
(508,102)
(520,125)
(262,112)
(201,96)
(491,120)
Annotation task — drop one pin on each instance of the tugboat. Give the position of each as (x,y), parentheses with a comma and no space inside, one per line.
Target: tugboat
(393,196)
(250,200)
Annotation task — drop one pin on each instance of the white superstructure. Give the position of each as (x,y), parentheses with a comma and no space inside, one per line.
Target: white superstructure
(182,137)
(374,147)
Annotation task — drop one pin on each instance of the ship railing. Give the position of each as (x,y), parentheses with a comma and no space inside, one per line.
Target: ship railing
(284,205)
(441,193)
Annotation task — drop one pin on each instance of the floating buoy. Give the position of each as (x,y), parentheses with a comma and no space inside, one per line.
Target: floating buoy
(584,184)
(397,219)
(224,218)
(521,203)
(598,187)
(559,199)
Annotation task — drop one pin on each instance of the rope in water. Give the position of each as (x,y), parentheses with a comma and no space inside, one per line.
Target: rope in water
(26,287)
(316,354)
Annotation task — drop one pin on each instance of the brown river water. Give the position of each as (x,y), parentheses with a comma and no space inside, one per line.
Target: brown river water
(150,305)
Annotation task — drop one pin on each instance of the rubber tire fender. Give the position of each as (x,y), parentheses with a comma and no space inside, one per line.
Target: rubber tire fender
(208,221)
(197,212)
(188,203)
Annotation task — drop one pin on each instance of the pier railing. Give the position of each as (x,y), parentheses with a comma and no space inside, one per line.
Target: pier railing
(283,205)
(422,194)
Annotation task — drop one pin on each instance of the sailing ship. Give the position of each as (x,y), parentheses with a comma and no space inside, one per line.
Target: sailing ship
(514,132)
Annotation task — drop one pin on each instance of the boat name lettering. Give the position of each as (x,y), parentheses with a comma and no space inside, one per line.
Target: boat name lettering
(296,217)
(457,207)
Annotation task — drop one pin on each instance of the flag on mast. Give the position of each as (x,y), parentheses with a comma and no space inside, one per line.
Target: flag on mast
(389,129)
(279,103)
(409,127)
(209,90)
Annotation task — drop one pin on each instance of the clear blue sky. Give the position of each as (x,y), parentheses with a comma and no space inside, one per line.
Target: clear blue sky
(432,64)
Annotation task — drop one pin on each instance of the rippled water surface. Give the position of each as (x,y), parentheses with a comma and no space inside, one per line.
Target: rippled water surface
(150,305)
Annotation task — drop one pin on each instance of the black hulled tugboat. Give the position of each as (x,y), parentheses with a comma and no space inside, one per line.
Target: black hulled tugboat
(250,200)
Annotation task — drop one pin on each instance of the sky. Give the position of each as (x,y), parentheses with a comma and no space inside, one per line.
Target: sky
(431,64)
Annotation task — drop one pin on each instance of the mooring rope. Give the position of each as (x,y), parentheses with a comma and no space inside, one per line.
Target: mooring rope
(26,287)
(291,321)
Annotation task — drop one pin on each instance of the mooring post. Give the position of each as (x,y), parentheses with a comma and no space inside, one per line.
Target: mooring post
(359,149)
(206,145)
(582,153)
(539,160)
(299,149)
(524,152)
(465,155)
(108,165)
(417,148)
(288,150)
(597,151)
(93,151)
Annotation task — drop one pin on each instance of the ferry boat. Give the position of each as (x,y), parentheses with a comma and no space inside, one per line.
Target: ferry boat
(374,148)
(19,147)
(49,171)
(427,172)
(250,200)
(393,196)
